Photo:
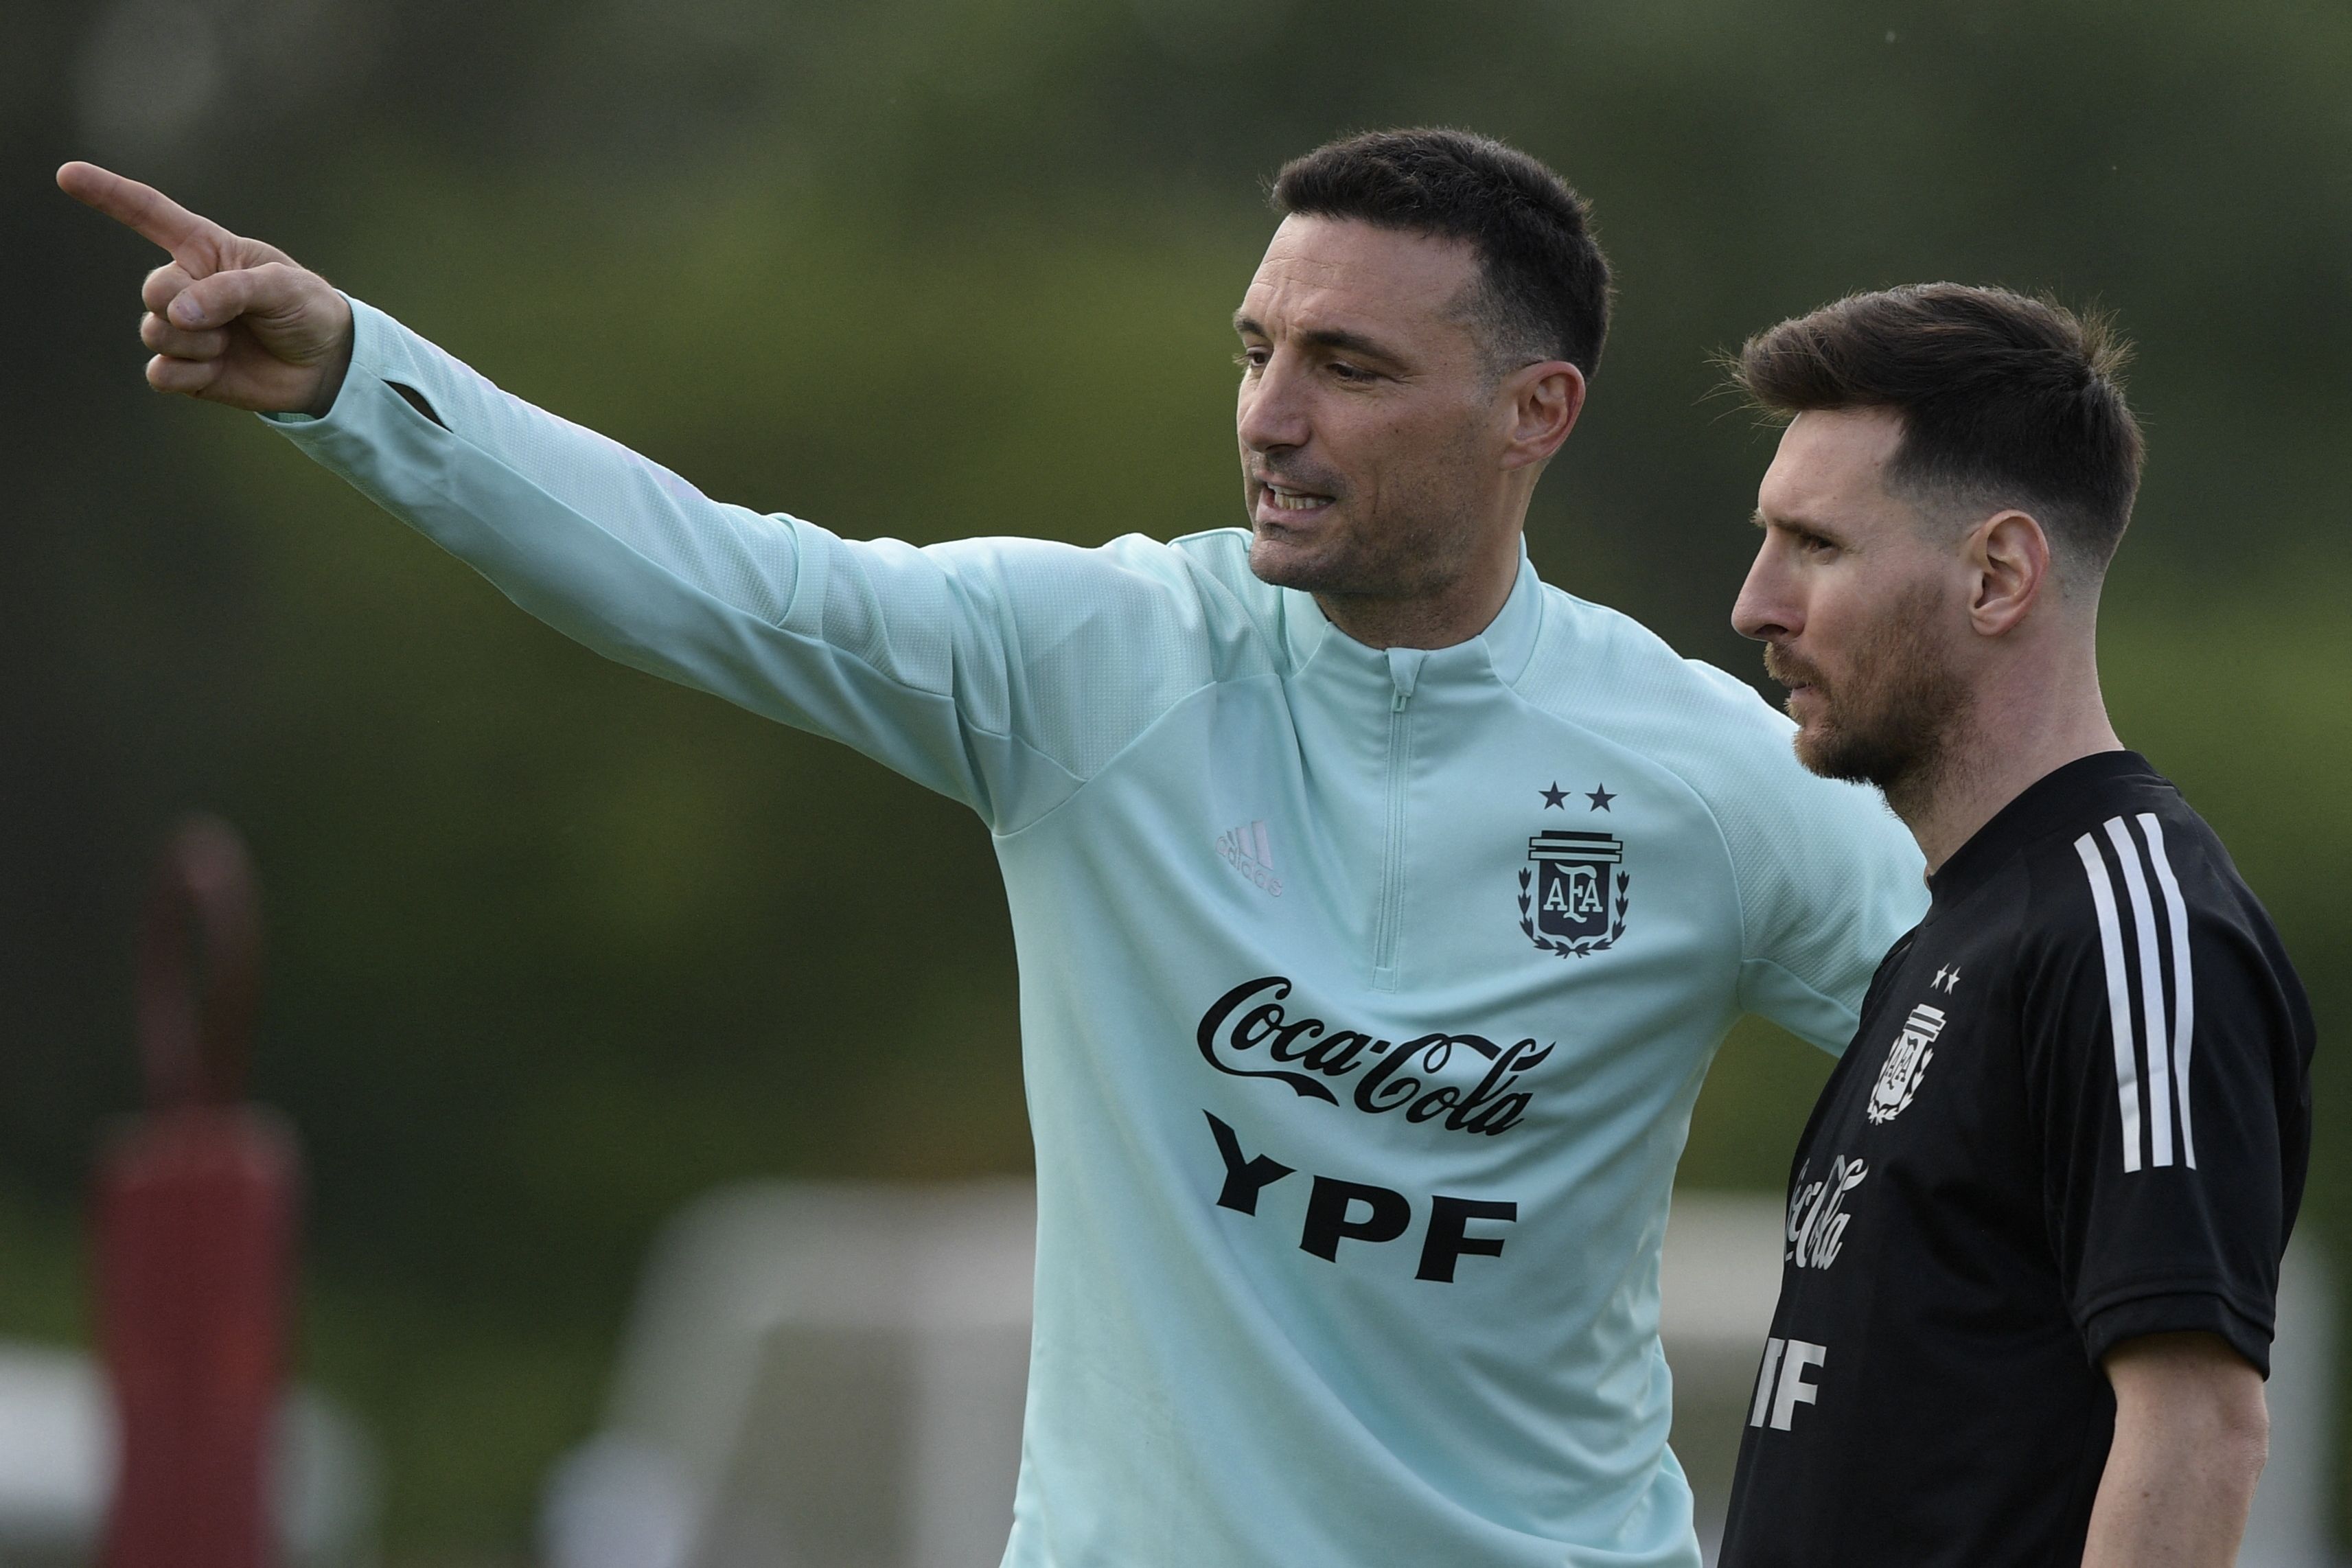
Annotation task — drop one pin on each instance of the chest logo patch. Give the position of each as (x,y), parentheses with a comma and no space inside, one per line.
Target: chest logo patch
(1906,1063)
(1249,850)
(1573,897)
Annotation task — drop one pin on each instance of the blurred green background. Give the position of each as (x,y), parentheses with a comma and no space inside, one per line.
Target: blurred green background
(556,946)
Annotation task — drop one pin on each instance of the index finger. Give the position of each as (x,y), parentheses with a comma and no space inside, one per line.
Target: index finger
(193,241)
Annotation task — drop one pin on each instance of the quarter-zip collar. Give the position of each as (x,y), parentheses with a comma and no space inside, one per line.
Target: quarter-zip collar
(1386,693)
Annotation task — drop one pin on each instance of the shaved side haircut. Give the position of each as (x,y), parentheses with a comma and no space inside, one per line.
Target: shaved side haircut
(2006,401)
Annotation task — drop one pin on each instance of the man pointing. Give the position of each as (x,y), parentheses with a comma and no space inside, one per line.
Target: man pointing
(1378,907)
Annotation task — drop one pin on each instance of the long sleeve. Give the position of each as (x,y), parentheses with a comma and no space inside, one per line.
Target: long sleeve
(1828,877)
(1832,884)
(999,672)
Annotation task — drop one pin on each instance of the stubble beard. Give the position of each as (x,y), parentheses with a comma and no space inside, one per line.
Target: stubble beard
(1415,542)
(1379,558)
(1897,721)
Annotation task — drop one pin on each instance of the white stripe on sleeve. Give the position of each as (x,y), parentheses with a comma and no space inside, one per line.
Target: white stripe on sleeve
(2151,992)
(2184,985)
(2111,943)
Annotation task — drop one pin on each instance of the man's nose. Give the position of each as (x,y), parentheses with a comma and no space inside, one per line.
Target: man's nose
(1273,412)
(1766,610)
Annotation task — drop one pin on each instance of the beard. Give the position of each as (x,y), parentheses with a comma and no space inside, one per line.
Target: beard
(1894,719)
(1381,557)
(1410,534)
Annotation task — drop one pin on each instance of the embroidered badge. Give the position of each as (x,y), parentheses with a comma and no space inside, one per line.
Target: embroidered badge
(1574,900)
(1906,1063)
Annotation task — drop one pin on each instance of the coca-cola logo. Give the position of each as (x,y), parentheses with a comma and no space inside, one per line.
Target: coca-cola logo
(1249,1026)
(1817,1216)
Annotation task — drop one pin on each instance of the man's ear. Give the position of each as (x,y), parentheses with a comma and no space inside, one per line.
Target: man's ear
(1545,399)
(2010,557)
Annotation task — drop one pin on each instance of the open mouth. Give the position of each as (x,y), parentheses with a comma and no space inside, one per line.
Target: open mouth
(1287,500)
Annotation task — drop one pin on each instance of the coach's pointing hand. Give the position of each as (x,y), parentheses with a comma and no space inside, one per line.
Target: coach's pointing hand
(231,320)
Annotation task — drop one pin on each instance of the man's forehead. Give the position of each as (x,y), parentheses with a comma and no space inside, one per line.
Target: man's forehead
(1830,473)
(1866,435)
(1333,267)
(1827,453)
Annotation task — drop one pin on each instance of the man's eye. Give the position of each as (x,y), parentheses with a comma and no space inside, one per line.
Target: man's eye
(1346,372)
(1252,359)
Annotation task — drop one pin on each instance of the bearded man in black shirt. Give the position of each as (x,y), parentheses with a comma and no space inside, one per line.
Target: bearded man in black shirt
(2035,1222)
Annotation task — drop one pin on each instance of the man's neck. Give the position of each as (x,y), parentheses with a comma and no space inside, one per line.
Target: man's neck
(2008,740)
(1456,614)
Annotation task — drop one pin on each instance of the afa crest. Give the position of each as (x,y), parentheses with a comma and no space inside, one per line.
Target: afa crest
(1906,1064)
(1573,901)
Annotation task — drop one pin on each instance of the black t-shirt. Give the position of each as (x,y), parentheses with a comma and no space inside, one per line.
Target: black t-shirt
(2077,1109)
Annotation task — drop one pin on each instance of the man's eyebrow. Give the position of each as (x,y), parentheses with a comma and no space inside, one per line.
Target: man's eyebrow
(1802,525)
(1320,337)
(1346,341)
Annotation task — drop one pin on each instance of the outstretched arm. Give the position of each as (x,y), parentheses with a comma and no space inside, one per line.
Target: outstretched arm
(231,319)
(2192,1434)
(998,671)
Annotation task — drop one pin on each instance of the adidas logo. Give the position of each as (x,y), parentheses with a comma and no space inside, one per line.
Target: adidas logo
(1248,850)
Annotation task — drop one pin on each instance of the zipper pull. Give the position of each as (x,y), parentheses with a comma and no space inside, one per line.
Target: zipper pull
(1404,673)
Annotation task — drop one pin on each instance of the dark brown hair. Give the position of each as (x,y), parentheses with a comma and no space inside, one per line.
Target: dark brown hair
(2005,401)
(1545,284)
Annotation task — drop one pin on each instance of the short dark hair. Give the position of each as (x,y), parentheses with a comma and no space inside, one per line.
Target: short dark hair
(1544,282)
(2005,400)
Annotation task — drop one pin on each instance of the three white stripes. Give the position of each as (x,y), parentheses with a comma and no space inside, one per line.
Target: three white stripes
(2169,1039)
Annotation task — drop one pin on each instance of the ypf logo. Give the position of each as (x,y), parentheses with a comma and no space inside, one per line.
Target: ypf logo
(1572,901)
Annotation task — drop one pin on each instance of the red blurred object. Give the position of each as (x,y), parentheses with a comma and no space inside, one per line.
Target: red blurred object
(197,1214)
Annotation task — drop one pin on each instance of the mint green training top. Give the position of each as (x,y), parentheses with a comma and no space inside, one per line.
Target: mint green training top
(1364,994)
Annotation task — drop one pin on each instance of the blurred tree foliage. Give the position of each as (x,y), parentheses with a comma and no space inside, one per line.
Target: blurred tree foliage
(556,946)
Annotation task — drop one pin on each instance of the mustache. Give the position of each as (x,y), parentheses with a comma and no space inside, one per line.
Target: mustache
(1789,669)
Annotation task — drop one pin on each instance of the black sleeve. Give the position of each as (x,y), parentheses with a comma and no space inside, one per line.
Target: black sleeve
(2168,1043)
